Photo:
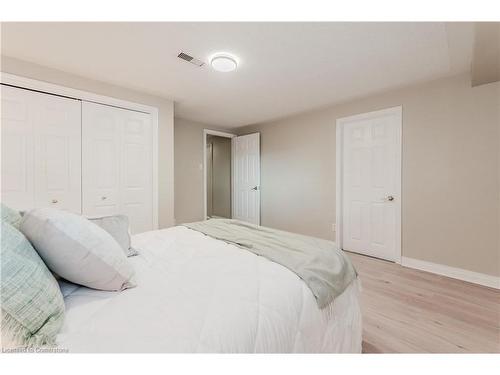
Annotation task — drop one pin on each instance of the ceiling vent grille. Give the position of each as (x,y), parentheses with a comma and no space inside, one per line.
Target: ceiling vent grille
(190,59)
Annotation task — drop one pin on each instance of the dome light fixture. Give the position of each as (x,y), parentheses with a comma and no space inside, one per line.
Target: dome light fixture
(224,62)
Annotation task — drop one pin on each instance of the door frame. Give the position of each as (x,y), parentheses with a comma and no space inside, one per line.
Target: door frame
(219,134)
(54,89)
(340,125)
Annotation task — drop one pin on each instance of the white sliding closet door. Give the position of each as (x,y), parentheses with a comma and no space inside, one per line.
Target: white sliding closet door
(18,183)
(117,164)
(41,150)
(101,160)
(137,170)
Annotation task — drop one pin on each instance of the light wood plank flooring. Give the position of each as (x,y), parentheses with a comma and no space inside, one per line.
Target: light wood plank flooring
(411,311)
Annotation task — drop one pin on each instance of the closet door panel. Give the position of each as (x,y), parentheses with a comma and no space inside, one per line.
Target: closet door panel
(117,164)
(41,150)
(57,146)
(18,189)
(101,160)
(137,170)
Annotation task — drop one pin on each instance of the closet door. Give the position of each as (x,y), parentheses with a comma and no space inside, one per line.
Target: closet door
(18,184)
(41,150)
(118,164)
(57,146)
(101,160)
(137,170)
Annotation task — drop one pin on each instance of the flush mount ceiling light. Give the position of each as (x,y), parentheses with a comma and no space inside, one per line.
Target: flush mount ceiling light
(223,62)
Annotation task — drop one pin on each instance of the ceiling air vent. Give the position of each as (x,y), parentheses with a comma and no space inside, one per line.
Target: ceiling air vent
(190,59)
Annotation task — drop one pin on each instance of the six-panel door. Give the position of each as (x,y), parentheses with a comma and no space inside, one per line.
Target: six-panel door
(246,178)
(41,150)
(371,183)
(117,164)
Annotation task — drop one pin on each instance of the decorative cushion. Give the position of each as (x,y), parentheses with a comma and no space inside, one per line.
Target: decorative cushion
(10,216)
(77,249)
(32,303)
(118,227)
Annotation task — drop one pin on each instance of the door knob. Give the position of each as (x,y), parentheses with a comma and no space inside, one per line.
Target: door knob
(104,198)
(255,188)
(54,201)
(390,198)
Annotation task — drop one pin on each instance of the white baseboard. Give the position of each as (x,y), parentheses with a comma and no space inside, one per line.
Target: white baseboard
(455,273)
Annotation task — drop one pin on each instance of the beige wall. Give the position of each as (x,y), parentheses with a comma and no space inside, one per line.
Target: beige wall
(450,174)
(165,121)
(189,169)
(485,67)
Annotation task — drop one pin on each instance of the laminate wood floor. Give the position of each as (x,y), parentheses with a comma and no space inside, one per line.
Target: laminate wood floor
(412,311)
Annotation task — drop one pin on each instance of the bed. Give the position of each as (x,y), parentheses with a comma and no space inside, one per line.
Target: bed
(198,294)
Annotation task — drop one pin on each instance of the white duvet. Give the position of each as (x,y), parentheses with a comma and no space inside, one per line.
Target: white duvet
(198,294)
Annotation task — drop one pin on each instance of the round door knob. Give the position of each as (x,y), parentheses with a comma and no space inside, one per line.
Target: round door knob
(54,201)
(104,198)
(390,198)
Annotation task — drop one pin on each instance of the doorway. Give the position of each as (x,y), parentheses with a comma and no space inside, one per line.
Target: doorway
(231,166)
(369,184)
(218,175)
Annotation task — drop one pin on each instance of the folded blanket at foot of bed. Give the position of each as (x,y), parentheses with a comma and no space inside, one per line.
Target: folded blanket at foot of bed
(325,269)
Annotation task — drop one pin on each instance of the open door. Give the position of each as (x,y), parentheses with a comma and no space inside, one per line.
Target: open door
(246,178)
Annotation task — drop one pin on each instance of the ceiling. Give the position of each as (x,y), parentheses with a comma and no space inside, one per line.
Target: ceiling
(285,68)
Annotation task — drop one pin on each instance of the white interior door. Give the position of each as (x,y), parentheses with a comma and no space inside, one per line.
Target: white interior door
(371,183)
(246,178)
(41,150)
(117,164)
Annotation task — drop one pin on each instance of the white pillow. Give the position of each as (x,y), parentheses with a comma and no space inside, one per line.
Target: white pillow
(78,250)
(118,227)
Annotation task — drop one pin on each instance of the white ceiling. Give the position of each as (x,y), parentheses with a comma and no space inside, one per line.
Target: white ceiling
(285,68)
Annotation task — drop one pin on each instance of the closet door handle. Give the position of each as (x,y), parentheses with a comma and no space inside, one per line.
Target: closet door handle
(104,198)
(54,201)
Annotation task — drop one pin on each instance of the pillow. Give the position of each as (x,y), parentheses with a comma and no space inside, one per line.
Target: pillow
(10,216)
(32,303)
(118,227)
(77,250)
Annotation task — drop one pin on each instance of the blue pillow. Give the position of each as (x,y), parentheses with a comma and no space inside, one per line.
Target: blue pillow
(32,303)
(10,216)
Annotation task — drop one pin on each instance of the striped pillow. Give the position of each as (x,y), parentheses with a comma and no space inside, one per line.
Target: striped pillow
(32,303)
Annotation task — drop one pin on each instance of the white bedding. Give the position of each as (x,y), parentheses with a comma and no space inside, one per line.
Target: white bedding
(198,294)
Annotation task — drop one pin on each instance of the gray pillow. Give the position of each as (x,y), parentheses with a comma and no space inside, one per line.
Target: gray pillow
(118,227)
(77,250)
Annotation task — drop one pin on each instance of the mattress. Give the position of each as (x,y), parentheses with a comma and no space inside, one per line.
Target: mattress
(198,294)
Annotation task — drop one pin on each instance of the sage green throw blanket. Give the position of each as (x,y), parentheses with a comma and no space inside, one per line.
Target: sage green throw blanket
(325,269)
